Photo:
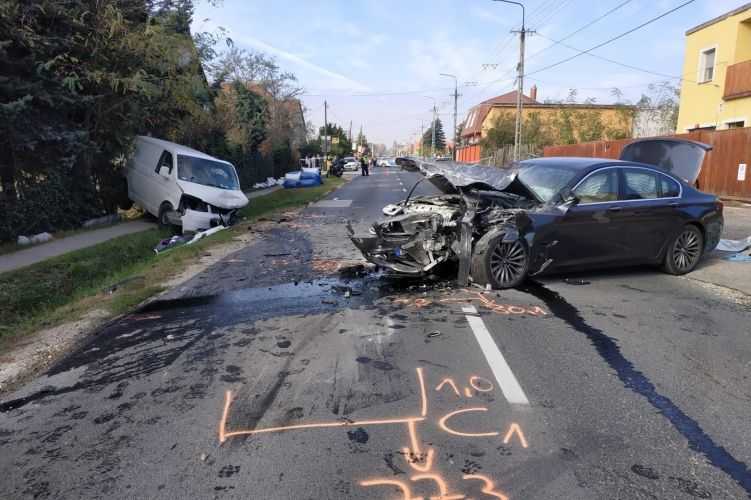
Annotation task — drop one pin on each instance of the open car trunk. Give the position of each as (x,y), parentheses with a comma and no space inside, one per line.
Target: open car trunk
(680,157)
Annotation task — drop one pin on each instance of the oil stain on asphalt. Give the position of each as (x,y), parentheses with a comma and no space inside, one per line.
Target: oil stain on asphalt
(633,379)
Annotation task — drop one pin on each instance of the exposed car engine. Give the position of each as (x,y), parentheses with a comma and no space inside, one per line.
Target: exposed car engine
(421,233)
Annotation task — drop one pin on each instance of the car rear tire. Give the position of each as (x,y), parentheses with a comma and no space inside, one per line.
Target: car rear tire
(498,263)
(684,251)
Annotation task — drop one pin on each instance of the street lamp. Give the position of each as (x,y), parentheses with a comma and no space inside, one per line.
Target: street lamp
(520,82)
(432,127)
(456,98)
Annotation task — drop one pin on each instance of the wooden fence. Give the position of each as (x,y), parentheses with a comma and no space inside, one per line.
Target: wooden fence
(719,174)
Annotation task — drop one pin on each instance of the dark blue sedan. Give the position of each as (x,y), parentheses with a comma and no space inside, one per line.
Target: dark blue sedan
(548,214)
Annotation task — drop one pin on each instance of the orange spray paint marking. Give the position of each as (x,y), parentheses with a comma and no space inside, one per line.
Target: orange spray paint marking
(488,485)
(413,459)
(223,434)
(514,428)
(451,383)
(485,386)
(223,421)
(322,425)
(422,303)
(413,438)
(423,393)
(442,488)
(392,482)
(443,425)
(468,392)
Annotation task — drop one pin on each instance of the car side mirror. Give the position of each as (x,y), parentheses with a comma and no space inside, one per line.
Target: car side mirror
(568,200)
(164,171)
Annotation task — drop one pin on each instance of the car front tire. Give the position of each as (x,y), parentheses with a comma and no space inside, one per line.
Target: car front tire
(684,251)
(163,210)
(498,263)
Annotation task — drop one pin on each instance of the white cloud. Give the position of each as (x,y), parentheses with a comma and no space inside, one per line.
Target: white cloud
(335,79)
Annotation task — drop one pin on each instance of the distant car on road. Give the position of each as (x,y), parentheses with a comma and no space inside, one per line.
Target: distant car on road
(351,164)
(386,162)
(545,214)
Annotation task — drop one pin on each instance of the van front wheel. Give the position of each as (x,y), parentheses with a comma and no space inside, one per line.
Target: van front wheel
(165,209)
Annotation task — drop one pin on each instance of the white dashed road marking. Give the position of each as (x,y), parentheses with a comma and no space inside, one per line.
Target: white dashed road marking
(501,370)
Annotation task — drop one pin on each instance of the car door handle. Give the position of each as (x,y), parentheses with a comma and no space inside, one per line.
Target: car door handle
(614,209)
(674,204)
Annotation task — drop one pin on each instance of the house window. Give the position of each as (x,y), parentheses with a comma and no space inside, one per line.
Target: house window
(738,124)
(706,65)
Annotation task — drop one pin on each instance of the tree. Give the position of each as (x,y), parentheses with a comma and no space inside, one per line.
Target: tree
(440,137)
(252,116)
(660,106)
(500,133)
(339,145)
(77,82)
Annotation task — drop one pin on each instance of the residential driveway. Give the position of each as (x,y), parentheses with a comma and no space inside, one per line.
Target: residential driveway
(38,253)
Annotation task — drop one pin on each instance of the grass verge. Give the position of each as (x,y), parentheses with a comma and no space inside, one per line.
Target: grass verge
(118,274)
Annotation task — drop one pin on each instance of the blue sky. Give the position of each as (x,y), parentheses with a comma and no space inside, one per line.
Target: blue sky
(377,62)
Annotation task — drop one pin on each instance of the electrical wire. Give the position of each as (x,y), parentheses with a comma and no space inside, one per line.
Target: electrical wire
(576,32)
(613,61)
(610,40)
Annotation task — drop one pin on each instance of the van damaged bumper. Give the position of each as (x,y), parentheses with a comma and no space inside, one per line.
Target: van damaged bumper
(194,220)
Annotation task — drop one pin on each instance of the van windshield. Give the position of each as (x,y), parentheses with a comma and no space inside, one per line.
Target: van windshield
(207,172)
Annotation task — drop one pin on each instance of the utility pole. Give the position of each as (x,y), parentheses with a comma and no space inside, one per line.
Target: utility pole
(520,82)
(456,98)
(422,136)
(350,131)
(432,140)
(325,130)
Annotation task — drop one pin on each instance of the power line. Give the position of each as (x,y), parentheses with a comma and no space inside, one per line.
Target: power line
(611,40)
(613,61)
(545,18)
(593,21)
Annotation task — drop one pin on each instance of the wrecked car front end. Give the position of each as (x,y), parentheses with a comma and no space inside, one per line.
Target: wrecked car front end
(420,233)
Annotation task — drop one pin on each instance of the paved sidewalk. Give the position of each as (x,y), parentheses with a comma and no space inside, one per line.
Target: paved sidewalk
(38,253)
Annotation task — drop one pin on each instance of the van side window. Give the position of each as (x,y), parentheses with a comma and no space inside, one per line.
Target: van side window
(165,161)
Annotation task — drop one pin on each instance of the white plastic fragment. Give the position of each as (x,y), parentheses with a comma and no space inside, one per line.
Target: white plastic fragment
(734,245)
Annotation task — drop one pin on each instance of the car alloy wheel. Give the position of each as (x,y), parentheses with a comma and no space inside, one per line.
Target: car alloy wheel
(686,250)
(508,262)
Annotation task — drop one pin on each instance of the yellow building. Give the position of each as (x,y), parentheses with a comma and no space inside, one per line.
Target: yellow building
(716,90)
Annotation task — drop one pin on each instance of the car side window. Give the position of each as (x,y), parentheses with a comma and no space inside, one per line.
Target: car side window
(640,185)
(599,187)
(165,161)
(670,188)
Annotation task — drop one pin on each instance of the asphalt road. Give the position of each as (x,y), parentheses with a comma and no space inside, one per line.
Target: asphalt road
(287,371)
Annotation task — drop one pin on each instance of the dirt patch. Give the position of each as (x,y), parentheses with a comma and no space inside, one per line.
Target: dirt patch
(34,353)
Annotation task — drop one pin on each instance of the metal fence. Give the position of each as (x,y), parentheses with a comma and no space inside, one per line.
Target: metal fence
(723,172)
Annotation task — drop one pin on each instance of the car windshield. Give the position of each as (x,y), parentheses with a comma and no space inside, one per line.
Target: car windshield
(545,181)
(207,172)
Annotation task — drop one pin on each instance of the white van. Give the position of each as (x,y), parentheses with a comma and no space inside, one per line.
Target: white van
(182,186)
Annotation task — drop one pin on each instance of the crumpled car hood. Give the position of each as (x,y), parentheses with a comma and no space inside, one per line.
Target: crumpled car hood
(451,177)
(222,198)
